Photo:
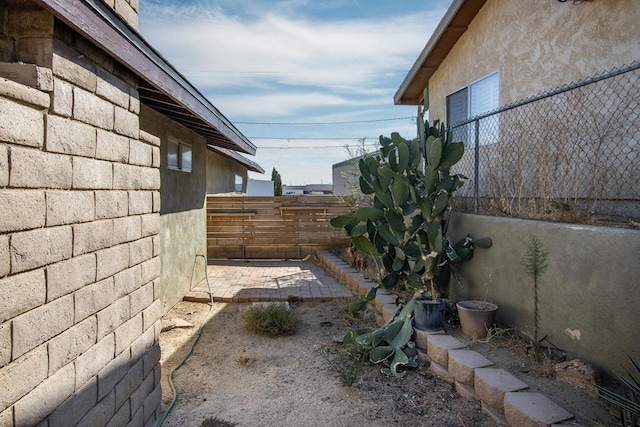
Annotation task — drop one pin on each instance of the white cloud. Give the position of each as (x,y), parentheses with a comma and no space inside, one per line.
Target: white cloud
(215,49)
(274,61)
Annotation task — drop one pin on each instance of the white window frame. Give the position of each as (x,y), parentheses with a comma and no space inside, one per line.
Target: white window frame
(238,183)
(184,151)
(489,126)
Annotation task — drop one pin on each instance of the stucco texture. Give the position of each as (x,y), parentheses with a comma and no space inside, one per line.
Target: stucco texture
(183,237)
(538,46)
(587,296)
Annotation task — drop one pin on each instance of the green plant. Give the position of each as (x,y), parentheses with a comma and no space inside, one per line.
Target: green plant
(277,182)
(271,319)
(406,227)
(347,364)
(534,264)
(404,231)
(391,344)
(629,404)
(216,422)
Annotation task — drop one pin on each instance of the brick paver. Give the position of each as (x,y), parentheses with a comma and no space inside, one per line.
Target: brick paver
(267,280)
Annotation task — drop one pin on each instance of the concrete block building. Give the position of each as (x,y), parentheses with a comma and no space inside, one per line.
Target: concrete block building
(106,156)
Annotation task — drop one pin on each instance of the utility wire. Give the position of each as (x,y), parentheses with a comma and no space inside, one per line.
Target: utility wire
(303,138)
(323,123)
(341,147)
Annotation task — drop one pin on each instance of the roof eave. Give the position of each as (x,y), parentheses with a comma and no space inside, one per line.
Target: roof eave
(98,24)
(230,154)
(450,28)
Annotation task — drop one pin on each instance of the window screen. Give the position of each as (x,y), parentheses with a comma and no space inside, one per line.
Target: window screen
(478,98)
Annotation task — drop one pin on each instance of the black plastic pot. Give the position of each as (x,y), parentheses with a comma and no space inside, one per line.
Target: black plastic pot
(429,315)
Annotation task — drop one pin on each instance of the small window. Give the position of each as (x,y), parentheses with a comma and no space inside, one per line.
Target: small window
(185,155)
(480,97)
(173,156)
(239,183)
(179,156)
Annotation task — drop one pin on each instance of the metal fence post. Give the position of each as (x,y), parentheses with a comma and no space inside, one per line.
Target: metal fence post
(476,173)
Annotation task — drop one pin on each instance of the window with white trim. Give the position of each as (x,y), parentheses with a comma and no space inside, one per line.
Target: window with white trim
(479,97)
(179,156)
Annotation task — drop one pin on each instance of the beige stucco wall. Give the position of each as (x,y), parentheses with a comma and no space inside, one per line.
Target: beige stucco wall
(538,46)
(588,295)
(182,212)
(183,216)
(345,177)
(221,172)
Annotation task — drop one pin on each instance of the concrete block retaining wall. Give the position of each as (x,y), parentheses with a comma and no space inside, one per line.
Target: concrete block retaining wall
(504,398)
(587,296)
(79,224)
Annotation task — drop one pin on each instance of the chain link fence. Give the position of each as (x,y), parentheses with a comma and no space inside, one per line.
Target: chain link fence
(570,155)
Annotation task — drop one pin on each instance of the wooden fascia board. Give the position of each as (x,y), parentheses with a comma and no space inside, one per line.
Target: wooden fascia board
(451,27)
(98,24)
(249,164)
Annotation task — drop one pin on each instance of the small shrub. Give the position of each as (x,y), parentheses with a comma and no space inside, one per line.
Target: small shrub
(350,315)
(271,319)
(348,363)
(215,422)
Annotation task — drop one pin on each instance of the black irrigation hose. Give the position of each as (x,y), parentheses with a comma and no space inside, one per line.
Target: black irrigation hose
(195,341)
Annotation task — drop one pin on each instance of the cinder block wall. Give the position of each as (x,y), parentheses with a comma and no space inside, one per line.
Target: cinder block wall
(79,223)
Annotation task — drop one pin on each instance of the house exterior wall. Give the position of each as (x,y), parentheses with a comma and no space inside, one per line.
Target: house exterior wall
(127,10)
(182,214)
(538,46)
(221,173)
(79,248)
(345,177)
(587,295)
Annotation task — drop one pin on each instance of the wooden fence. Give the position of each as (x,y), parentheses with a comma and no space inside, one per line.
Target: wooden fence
(272,227)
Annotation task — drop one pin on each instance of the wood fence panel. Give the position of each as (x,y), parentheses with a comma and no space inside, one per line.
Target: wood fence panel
(272,227)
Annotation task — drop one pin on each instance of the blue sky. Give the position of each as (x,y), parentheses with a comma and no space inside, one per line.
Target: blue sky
(289,73)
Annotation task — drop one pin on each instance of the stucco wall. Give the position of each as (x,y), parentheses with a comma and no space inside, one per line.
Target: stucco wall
(182,214)
(221,173)
(538,46)
(345,177)
(588,296)
(79,265)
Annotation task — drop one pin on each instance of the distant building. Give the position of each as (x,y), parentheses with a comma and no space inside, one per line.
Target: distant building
(311,189)
(345,177)
(256,187)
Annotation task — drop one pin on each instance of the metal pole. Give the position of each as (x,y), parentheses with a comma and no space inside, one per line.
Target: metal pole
(476,185)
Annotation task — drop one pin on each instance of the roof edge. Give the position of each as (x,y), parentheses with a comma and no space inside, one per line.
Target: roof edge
(230,154)
(433,41)
(104,29)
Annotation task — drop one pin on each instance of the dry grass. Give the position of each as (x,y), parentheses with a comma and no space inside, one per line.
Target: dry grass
(273,319)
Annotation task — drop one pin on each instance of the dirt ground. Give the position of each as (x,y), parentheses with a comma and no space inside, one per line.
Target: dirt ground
(236,378)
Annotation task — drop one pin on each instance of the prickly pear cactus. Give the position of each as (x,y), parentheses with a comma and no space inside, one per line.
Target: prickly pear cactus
(406,226)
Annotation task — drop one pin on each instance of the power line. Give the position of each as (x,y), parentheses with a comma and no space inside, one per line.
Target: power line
(297,138)
(308,147)
(323,123)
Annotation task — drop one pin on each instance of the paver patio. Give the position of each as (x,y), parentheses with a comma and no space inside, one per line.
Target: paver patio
(267,280)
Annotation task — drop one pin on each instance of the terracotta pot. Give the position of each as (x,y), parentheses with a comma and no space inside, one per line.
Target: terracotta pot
(476,317)
(428,315)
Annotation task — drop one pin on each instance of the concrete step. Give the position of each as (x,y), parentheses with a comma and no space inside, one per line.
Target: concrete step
(438,347)
(441,371)
(532,409)
(491,385)
(382,299)
(421,337)
(388,310)
(462,365)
